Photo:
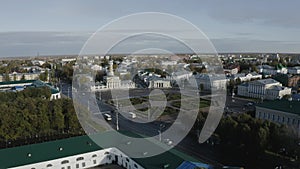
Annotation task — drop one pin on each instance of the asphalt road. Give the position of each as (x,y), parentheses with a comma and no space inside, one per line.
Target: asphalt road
(188,145)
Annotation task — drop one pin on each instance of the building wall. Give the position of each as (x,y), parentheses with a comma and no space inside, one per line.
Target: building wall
(18,76)
(294,70)
(159,84)
(243,91)
(55,96)
(86,160)
(280,117)
(265,91)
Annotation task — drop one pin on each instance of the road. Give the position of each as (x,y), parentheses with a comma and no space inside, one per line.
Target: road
(188,145)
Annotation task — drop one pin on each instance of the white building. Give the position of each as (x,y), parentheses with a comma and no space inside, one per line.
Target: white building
(159,83)
(209,81)
(280,111)
(232,71)
(18,76)
(67,60)
(82,153)
(11,86)
(112,82)
(270,70)
(294,70)
(181,75)
(246,77)
(269,89)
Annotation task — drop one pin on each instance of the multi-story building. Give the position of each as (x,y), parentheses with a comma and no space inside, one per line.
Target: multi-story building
(83,153)
(280,111)
(269,89)
(112,82)
(294,70)
(19,76)
(211,81)
(23,84)
(246,77)
(270,70)
(159,83)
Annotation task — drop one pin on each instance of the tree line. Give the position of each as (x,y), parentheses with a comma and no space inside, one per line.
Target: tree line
(30,113)
(243,139)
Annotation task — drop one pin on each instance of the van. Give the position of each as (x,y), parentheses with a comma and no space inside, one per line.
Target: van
(107,117)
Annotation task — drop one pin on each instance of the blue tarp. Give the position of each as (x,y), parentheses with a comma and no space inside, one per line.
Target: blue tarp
(193,165)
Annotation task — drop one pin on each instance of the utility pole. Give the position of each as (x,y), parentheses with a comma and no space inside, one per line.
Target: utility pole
(69,92)
(117,115)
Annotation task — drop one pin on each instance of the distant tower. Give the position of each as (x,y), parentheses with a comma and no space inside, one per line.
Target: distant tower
(111,68)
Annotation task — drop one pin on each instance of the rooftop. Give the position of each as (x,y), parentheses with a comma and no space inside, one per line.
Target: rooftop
(265,81)
(19,156)
(16,82)
(282,105)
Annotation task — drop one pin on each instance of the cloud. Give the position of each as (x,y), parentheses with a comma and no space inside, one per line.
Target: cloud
(251,45)
(45,43)
(276,13)
(59,43)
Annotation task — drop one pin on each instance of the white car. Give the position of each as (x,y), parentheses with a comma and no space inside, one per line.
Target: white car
(168,141)
(132,115)
(107,117)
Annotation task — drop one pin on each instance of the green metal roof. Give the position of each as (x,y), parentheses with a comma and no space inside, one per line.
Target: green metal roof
(18,156)
(36,83)
(16,82)
(282,105)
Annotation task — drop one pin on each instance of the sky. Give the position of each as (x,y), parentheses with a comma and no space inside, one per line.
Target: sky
(63,26)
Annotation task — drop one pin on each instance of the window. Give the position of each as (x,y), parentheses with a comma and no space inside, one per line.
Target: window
(293,121)
(94,161)
(69,167)
(49,165)
(65,162)
(83,164)
(79,158)
(95,155)
(77,165)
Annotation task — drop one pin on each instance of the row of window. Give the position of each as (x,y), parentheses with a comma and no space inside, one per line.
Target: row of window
(280,119)
(77,165)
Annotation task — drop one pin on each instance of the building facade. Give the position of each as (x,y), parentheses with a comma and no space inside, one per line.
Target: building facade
(294,70)
(280,111)
(269,89)
(159,83)
(209,81)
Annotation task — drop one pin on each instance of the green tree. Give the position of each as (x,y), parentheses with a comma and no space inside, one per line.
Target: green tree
(44,76)
(23,77)
(6,77)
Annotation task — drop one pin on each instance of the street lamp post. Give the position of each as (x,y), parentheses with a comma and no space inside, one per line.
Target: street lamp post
(117,115)
(159,131)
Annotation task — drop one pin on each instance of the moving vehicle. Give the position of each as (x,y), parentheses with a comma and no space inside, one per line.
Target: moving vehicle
(107,116)
(132,115)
